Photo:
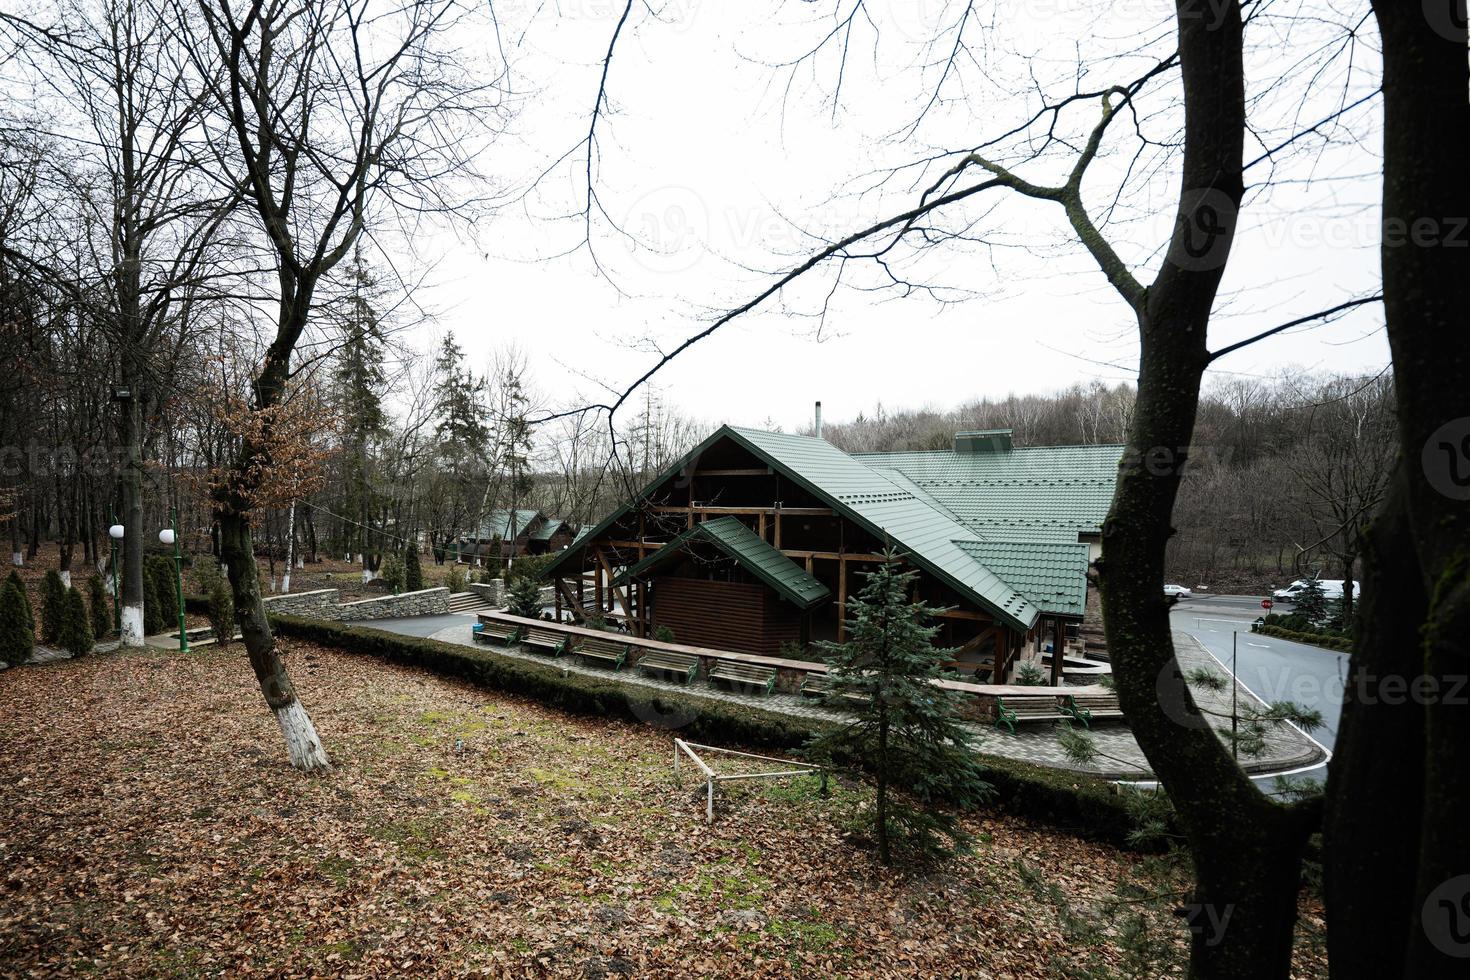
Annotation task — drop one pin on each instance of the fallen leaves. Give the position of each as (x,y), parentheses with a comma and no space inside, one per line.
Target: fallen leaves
(149,826)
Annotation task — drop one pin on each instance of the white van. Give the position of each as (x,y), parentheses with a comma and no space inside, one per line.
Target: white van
(1331,589)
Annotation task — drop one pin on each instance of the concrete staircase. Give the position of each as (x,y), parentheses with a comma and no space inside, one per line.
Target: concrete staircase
(468,602)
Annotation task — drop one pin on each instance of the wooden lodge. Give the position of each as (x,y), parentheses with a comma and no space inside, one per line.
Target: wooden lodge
(753,542)
(519,532)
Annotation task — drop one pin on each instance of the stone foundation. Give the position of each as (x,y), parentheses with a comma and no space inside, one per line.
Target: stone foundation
(324,604)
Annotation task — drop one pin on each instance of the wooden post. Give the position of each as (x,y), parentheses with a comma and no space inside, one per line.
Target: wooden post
(778,525)
(556,597)
(841,598)
(1058,633)
(760,525)
(597,583)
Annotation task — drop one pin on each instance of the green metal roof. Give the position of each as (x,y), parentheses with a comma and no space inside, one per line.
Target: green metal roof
(999,526)
(1052,575)
(546,530)
(497,523)
(751,552)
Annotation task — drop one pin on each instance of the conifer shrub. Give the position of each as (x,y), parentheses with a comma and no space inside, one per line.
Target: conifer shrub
(75,634)
(524,598)
(53,604)
(413,571)
(20,586)
(17,635)
(99,609)
(393,574)
(153,621)
(221,611)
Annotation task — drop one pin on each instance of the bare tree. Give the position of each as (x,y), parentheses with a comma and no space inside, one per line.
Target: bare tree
(332,113)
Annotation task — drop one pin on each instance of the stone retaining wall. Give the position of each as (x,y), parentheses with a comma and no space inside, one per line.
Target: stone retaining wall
(493,592)
(324,604)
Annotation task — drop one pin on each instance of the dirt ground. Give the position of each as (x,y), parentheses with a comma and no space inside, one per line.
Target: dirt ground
(153,828)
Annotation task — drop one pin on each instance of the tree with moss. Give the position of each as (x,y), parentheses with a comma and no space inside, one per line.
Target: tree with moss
(905,733)
(97,606)
(53,603)
(17,635)
(413,572)
(221,611)
(75,635)
(14,579)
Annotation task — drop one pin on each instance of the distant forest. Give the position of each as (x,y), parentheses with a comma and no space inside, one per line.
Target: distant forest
(1278,482)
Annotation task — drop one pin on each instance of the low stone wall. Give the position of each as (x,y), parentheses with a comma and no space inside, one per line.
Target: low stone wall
(321,603)
(324,604)
(493,592)
(428,602)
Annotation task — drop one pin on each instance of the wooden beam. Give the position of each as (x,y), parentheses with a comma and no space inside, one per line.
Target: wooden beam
(1057,643)
(617,593)
(741,511)
(638,546)
(777,540)
(965,614)
(574,601)
(752,471)
(760,525)
(831,555)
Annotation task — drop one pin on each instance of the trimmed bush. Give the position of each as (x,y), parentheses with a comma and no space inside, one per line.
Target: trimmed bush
(525,598)
(665,634)
(75,636)
(53,605)
(101,613)
(20,586)
(153,621)
(17,635)
(1079,804)
(162,571)
(392,573)
(1329,640)
(455,580)
(413,572)
(221,611)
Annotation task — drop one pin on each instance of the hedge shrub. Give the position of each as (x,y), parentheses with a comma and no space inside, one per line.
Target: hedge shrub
(17,635)
(1079,804)
(53,605)
(20,586)
(75,635)
(1329,640)
(98,606)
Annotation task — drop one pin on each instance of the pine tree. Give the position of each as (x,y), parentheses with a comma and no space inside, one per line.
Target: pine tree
(20,586)
(221,611)
(358,382)
(1311,602)
(524,598)
(162,571)
(75,636)
(906,732)
(53,603)
(413,572)
(17,635)
(101,614)
(392,574)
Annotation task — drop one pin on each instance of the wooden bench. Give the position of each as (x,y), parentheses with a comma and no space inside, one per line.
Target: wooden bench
(1088,707)
(543,640)
(749,678)
(1013,709)
(608,653)
(675,666)
(820,686)
(503,633)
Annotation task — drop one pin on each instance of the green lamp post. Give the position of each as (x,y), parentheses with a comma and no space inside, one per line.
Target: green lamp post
(170,535)
(115,534)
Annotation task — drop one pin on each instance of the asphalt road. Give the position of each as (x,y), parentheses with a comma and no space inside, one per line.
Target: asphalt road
(421,625)
(1273,669)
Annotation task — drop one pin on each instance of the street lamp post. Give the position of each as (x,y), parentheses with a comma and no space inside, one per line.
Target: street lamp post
(115,534)
(170,535)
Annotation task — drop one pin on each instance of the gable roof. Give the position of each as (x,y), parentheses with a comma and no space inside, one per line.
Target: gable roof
(1053,575)
(751,552)
(950,513)
(497,523)
(546,530)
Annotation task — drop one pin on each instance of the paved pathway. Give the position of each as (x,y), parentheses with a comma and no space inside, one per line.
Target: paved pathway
(1118,754)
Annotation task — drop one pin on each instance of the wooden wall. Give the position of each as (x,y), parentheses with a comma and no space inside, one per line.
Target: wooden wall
(737,616)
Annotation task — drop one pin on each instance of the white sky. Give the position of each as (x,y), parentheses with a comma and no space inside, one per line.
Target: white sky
(704,160)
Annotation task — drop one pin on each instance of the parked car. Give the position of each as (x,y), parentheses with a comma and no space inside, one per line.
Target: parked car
(1176,592)
(1331,589)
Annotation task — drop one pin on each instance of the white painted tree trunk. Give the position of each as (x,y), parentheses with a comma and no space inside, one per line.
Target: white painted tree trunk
(66,579)
(302,744)
(17,558)
(290,547)
(367,576)
(132,626)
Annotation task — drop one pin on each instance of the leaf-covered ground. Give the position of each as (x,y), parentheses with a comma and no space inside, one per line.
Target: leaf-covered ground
(149,826)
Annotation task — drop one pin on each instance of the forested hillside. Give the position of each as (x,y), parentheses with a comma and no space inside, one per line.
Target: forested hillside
(1278,481)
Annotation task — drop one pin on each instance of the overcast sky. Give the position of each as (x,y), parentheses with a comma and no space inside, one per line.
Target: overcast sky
(724,167)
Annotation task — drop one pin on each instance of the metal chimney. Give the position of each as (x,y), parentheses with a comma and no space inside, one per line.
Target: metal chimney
(819,420)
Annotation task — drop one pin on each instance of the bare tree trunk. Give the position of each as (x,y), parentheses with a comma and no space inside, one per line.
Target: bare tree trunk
(132,507)
(1397,856)
(290,546)
(237,547)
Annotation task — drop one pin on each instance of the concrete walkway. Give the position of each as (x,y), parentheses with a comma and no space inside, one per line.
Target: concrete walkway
(1118,754)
